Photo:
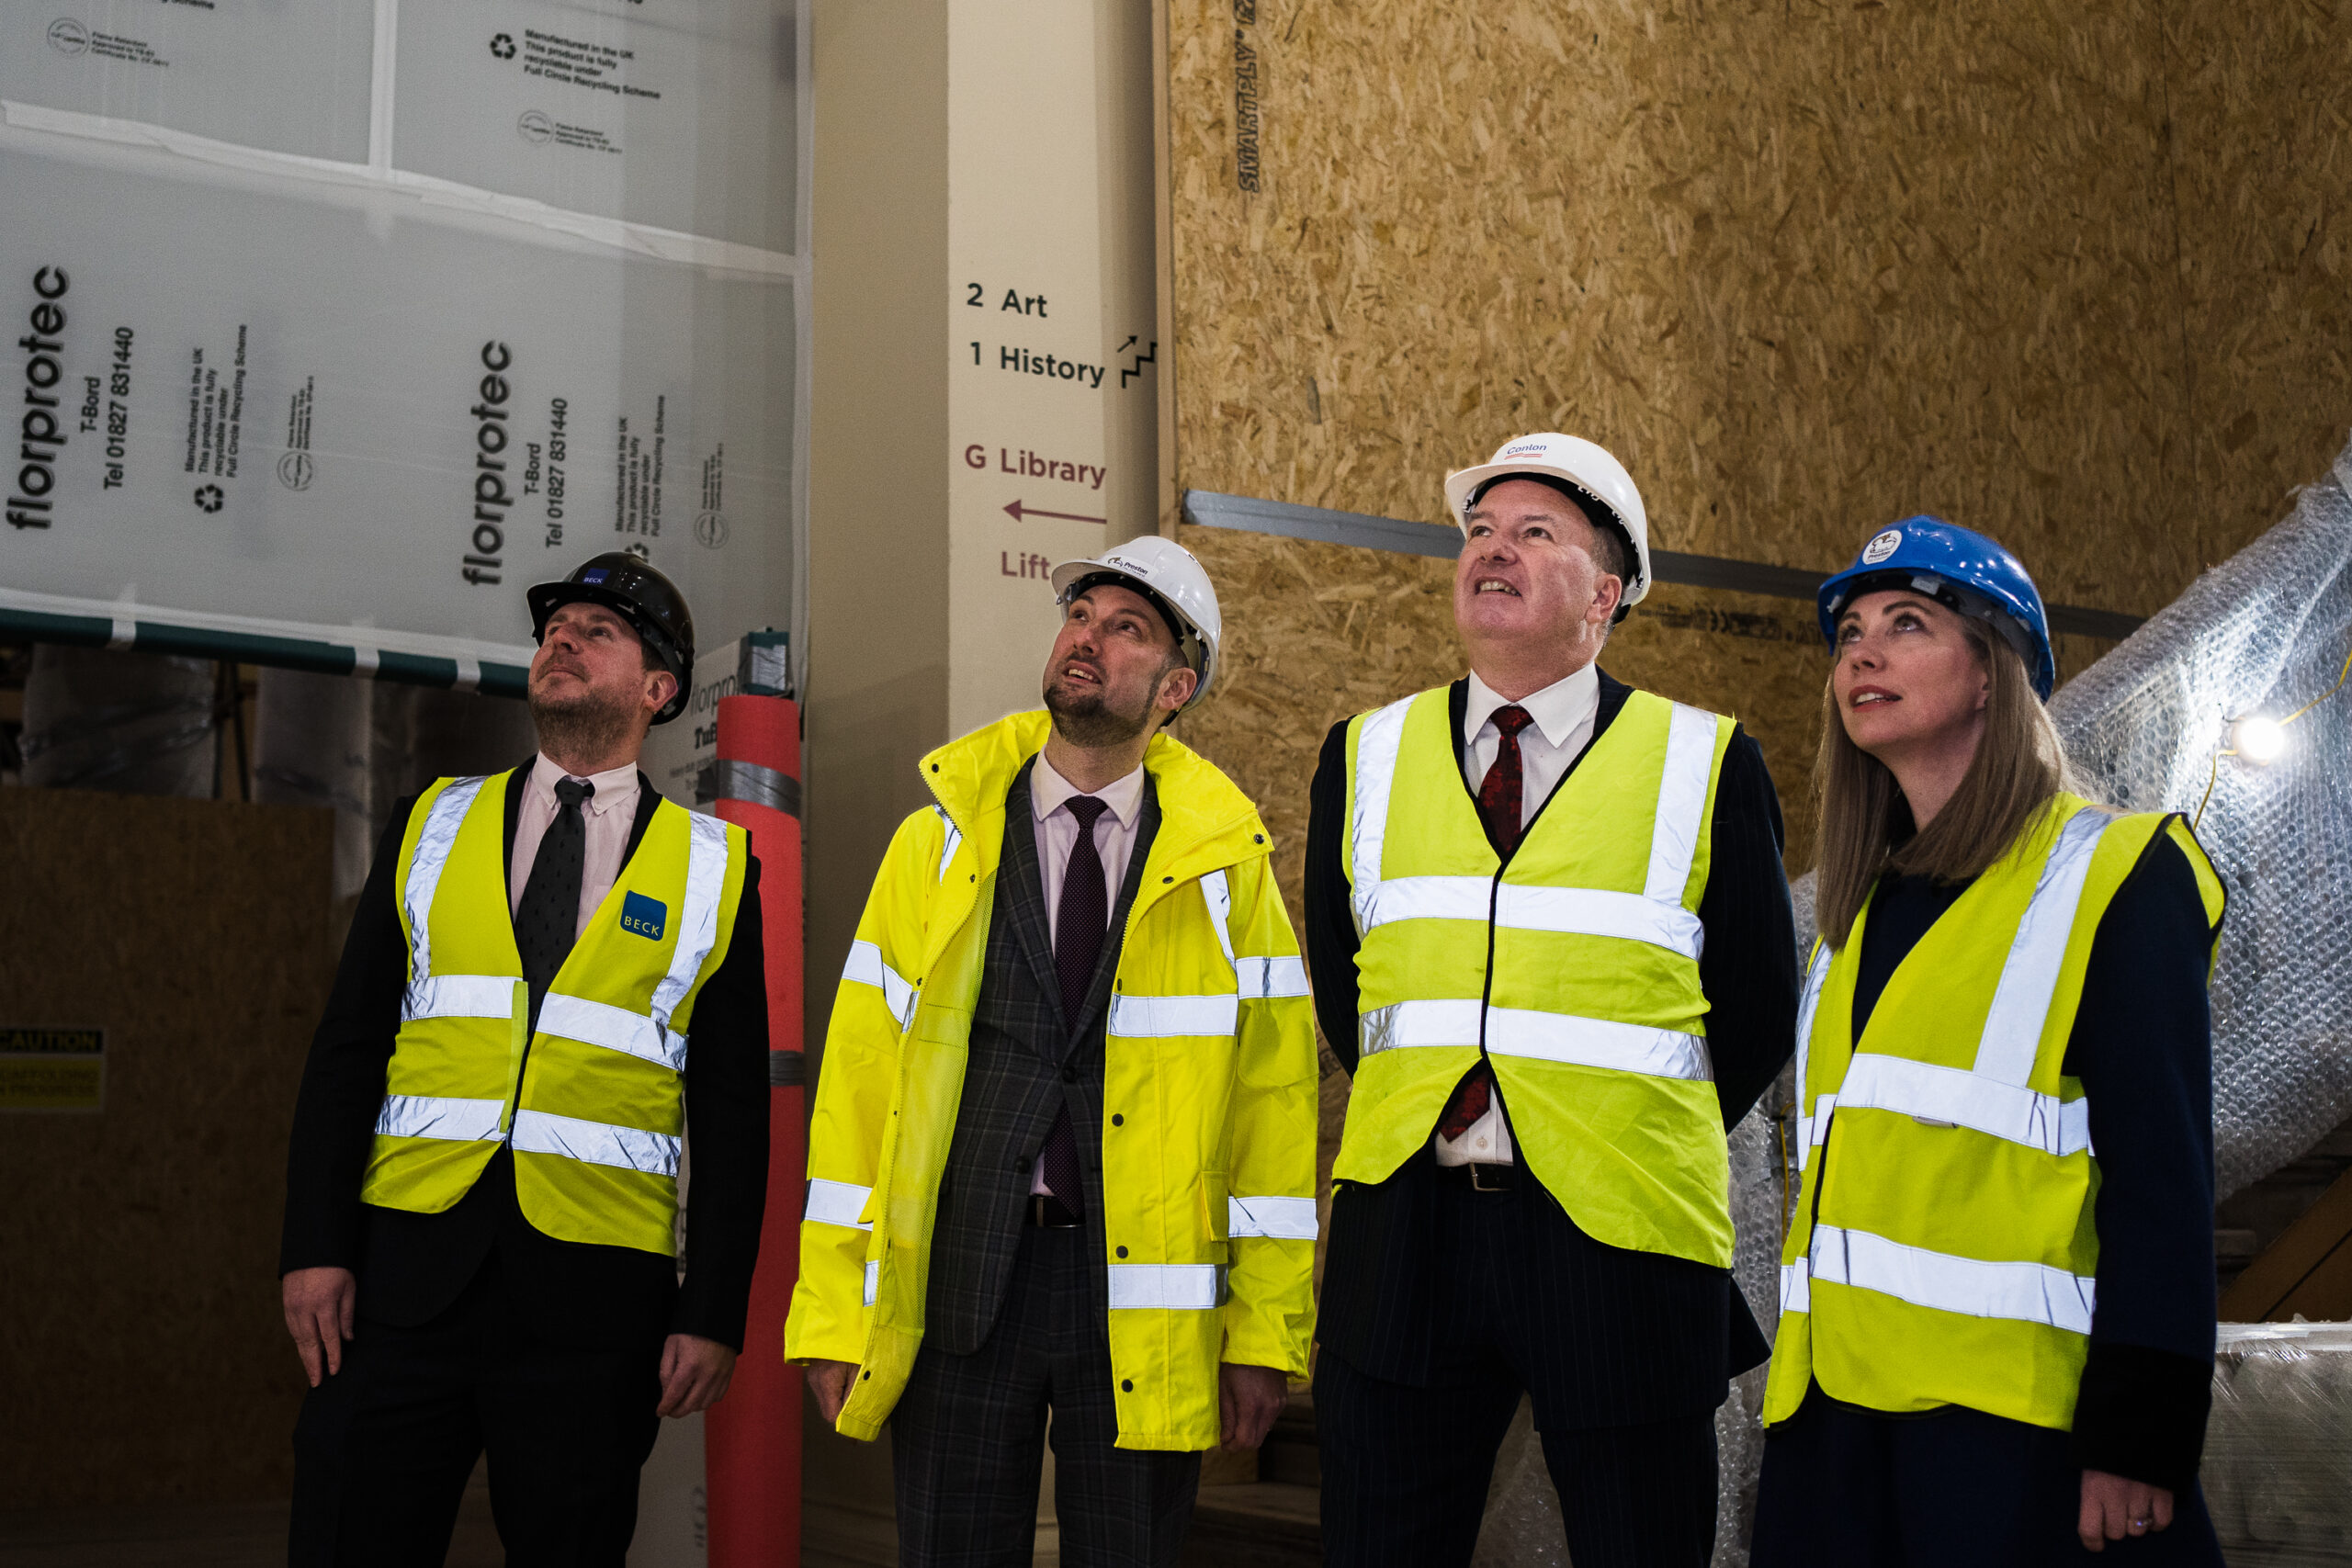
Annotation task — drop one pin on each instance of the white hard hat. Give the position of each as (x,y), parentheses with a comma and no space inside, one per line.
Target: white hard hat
(1166,570)
(1601,484)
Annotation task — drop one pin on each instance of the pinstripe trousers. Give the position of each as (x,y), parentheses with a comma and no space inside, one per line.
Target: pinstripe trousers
(967,1437)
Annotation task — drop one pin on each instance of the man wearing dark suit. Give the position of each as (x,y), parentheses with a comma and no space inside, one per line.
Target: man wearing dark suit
(1551,940)
(482,1196)
(1063,1155)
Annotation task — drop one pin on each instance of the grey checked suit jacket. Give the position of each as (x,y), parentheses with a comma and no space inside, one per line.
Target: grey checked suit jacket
(1025,1060)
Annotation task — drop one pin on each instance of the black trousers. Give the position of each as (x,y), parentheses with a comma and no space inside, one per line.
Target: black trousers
(384,1448)
(967,1437)
(1956,1488)
(1406,1470)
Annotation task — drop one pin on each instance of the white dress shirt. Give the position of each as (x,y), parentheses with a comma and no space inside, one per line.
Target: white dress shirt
(607,816)
(1563,713)
(1114,840)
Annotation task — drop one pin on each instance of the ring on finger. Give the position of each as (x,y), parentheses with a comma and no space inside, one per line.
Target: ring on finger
(2140,1524)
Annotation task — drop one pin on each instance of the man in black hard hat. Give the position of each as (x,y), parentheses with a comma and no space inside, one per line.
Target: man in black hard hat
(480,1248)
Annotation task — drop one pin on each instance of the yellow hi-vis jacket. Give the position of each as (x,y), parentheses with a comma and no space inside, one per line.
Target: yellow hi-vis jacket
(1574,971)
(1209,1098)
(590,1103)
(1944,1250)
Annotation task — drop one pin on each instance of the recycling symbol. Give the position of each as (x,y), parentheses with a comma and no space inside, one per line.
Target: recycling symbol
(208,498)
(503,45)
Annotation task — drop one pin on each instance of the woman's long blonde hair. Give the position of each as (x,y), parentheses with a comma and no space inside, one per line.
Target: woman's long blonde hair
(2019,764)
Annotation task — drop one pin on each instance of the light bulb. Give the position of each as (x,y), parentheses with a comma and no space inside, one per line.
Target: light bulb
(2258,739)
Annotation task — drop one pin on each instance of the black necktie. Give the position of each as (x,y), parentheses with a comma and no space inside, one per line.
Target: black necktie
(548,919)
(1080,920)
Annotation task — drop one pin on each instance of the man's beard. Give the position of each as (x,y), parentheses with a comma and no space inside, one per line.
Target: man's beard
(1087,720)
(587,724)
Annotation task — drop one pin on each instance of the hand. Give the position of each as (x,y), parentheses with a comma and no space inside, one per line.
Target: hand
(2114,1508)
(319,1304)
(694,1375)
(1247,1400)
(830,1383)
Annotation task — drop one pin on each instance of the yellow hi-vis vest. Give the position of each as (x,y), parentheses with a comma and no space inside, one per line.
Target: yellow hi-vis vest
(1944,1250)
(1574,971)
(590,1104)
(1209,1088)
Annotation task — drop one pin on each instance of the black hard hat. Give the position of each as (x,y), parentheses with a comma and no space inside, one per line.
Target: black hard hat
(647,601)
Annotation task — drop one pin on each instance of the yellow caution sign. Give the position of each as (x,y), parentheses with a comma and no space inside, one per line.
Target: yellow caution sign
(52,1069)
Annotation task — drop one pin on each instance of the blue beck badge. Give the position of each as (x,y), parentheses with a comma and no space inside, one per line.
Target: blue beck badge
(646,917)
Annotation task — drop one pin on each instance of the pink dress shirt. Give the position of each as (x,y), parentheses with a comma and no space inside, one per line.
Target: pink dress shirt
(607,816)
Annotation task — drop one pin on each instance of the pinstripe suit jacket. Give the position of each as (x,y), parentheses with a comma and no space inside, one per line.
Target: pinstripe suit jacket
(1026,1061)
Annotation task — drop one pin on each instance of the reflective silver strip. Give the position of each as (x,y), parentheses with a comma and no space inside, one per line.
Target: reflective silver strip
(423,1116)
(433,842)
(1545,1036)
(2029,978)
(1963,1098)
(1400,1025)
(1816,976)
(460,996)
(1153,1017)
(866,968)
(1796,1287)
(1282,1219)
(1262,979)
(1577,911)
(595,1143)
(698,924)
(1597,1043)
(947,850)
(837,1203)
(615,1029)
(1219,899)
(1681,803)
(872,1278)
(1169,1287)
(1377,740)
(2022,1293)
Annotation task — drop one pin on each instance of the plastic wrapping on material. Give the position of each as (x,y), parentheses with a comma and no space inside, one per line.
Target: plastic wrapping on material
(2279,1447)
(2264,633)
(132,723)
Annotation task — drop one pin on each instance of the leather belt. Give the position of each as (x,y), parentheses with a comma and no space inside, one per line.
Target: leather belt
(1481,1177)
(1047,1213)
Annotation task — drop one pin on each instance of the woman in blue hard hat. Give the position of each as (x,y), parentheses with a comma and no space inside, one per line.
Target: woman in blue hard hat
(1995,1344)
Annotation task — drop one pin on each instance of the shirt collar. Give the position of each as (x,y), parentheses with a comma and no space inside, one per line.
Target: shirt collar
(614,786)
(1048,791)
(1557,709)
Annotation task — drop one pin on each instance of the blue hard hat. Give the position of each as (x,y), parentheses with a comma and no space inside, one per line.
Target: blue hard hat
(1959,567)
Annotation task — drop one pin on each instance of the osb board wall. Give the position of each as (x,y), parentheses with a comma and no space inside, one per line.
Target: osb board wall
(2072,275)
(145,1359)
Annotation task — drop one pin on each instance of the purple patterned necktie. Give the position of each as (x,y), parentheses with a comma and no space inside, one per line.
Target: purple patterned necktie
(1501,798)
(1080,921)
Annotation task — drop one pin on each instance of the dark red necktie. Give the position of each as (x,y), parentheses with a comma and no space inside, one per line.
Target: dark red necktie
(1500,799)
(1081,919)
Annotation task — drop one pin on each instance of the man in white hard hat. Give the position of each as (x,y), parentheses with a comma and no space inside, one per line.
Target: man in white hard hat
(1063,1154)
(1551,940)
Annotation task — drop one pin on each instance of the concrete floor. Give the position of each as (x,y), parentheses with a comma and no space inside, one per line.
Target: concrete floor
(235,1535)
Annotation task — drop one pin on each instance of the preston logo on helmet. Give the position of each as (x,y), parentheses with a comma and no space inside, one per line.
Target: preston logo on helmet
(1881,546)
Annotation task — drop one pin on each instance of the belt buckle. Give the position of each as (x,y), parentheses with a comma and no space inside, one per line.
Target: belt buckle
(1478,1185)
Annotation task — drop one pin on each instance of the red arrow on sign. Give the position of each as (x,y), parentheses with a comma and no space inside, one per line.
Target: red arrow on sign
(1018,512)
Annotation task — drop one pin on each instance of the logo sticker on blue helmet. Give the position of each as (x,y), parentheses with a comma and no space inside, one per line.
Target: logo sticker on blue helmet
(1882,547)
(646,917)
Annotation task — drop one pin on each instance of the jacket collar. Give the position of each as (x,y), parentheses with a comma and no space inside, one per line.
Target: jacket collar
(1205,822)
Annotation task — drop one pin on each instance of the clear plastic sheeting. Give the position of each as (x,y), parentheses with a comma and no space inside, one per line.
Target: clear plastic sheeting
(131,723)
(2261,635)
(2278,1448)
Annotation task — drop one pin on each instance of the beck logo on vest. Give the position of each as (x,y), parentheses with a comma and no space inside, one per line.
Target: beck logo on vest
(644,916)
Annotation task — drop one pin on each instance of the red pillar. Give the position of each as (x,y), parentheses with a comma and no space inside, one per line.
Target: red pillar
(752,1439)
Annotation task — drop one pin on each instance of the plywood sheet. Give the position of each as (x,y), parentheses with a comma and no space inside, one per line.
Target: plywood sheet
(146,1360)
